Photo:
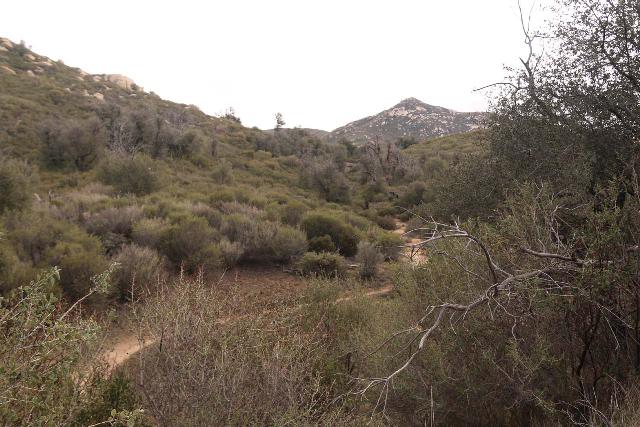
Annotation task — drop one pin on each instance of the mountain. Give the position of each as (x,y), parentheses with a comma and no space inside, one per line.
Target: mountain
(411,118)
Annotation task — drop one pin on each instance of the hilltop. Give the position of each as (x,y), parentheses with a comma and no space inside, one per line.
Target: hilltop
(411,118)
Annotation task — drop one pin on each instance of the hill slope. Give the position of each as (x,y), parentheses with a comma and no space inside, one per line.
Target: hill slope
(411,118)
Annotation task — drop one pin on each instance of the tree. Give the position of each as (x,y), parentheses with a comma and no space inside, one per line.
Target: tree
(72,144)
(230,114)
(15,180)
(279,121)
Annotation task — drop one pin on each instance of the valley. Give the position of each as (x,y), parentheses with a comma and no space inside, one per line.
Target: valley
(160,266)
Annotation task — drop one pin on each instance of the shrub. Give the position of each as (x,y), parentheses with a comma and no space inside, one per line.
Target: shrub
(325,177)
(322,244)
(11,268)
(222,173)
(117,220)
(72,144)
(213,217)
(343,235)
(389,244)
(185,145)
(190,243)
(323,264)
(264,240)
(15,184)
(138,269)
(230,252)
(78,261)
(386,222)
(129,175)
(368,257)
(288,243)
(149,231)
(41,241)
(292,212)
(417,193)
(45,379)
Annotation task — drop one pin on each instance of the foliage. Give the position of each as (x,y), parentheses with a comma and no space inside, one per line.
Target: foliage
(344,236)
(16,183)
(149,231)
(72,145)
(323,264)
(266,365)
(190,244)
(322,244)
(138,270)
(129,175)
(41,349)
(368,257)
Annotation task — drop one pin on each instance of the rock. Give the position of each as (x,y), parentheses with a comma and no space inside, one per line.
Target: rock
(6,43)
(30,73)
(97,78)
(3,49)
(7,69)
(30,57)
(123,82)
(99,96)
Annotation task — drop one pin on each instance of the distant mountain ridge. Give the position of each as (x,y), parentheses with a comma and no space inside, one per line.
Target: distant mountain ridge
(411,118)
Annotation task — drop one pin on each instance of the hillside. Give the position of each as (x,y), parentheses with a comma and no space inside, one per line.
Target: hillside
(411,118)
(103,171)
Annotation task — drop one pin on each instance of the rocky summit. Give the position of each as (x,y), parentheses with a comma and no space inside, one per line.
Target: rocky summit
(411,118)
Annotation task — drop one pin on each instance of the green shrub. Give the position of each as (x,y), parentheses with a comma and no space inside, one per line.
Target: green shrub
(116,220)
(368,257)
(190,244)
(129,175)
(78,261)
(46,377)
(230,252)
(287,243)
(417,193)
(115,392)
(222,173)
(390,244)
(323,264)
(185,145)
(43,241)
(386,222)
(213,217)
(15,184)
(138,269)
(322,244)
(343,235)
(12,270)
(149,231)
(72,144)
(292,212)
(264,240)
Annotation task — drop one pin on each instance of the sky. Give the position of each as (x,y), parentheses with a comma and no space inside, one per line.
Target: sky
(321,64)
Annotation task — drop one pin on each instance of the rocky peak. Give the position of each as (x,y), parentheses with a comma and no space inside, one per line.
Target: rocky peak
(409,118)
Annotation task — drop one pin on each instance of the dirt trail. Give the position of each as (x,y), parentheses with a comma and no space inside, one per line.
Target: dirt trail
(412,251)
(126,346)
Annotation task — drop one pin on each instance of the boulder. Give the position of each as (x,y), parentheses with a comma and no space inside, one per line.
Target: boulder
(7,69)
(123,82)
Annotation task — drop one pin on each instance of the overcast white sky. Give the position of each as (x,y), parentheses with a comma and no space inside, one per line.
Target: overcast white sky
(321,63)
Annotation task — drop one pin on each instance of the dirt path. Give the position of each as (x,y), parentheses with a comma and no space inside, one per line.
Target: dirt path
(412,251)
(128,345)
